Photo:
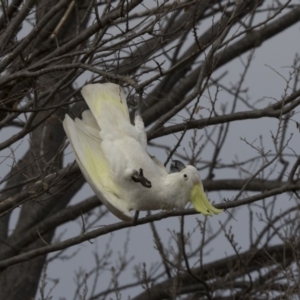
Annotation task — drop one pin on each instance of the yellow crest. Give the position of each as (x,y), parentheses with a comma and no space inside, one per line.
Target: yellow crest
(201,203)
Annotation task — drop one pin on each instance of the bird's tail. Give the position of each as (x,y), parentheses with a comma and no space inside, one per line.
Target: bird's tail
(108,104)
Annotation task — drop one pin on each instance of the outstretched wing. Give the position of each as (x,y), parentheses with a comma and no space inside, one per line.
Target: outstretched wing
(86,143)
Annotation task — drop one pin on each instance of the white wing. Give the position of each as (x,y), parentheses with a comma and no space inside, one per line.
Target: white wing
(86,145)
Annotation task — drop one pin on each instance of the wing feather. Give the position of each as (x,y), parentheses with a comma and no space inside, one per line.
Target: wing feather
(86,145)
(89,120)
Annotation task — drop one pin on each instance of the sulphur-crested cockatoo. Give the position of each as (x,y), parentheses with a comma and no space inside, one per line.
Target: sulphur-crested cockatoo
(112,155)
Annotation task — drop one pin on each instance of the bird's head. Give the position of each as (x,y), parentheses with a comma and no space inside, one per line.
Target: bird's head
(191,181)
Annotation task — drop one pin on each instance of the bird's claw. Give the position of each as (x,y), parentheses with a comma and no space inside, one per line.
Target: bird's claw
(139,177)
(135,103)
(136,217)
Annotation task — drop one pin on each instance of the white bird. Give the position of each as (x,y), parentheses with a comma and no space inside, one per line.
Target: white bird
(112,155)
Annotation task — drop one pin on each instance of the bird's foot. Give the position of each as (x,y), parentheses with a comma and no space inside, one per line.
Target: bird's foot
(135,104)
(135,218)
(139,177)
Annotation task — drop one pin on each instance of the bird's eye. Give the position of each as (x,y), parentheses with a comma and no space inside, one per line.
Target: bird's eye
(185,176)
